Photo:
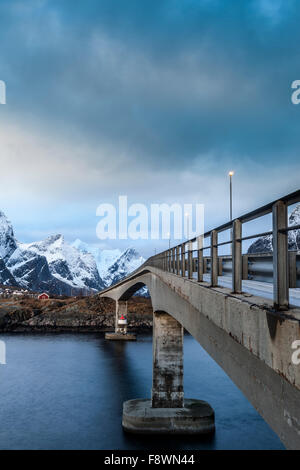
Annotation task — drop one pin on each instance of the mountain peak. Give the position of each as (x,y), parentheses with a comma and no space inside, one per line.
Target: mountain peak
(131,252)
(8,243)
(55,238)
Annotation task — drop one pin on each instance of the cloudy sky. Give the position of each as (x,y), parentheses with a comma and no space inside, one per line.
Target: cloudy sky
(154,100)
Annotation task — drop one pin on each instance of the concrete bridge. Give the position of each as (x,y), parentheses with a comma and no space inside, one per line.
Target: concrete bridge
(251,337)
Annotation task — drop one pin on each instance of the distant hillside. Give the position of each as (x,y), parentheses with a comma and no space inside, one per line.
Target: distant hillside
(86,314)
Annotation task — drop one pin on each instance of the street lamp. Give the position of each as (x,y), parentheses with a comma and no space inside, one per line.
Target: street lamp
(231,173)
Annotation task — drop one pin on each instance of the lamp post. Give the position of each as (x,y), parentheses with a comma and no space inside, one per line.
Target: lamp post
(231,173)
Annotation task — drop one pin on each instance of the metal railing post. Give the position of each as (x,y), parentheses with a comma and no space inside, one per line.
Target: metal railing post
(220,266)
(214,259)
(245,266)
(173,261)
(178,260)
(237,256)
(292,269)
(200,258)
(280,257)
(190,260)
(183,260)
(205,260)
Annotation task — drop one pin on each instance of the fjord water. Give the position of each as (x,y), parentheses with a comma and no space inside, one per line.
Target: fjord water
(65,391)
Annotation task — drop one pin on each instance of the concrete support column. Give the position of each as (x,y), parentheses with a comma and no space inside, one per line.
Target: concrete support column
(280,257)
(167,387)
(237,257)
(214,269)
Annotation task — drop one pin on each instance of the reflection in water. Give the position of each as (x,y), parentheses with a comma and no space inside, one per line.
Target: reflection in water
(66,391)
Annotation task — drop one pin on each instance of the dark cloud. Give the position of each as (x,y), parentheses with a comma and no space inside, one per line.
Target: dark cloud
(166,84)
(164,80)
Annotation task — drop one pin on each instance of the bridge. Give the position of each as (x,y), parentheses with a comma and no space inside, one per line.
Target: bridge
(250,335)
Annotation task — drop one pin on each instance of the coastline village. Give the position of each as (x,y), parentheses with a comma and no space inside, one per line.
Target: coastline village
(14,293)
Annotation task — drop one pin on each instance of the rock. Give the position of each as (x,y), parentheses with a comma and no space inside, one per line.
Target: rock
(88,314)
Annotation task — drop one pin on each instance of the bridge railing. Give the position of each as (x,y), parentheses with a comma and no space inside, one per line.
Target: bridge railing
(184,260)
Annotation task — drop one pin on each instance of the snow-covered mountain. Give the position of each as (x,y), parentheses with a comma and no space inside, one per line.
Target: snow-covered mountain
(129,261)
(51,265)
(6,278)
(112,265)
(8,243)
(104,258)
(265,244)
(66,263)
(54,266)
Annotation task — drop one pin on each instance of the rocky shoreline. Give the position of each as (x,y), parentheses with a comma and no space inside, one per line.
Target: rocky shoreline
(90,314)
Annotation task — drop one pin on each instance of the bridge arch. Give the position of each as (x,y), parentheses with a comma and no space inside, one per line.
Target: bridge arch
(124,291)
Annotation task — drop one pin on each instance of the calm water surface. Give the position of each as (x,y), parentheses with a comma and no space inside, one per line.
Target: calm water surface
(66,392)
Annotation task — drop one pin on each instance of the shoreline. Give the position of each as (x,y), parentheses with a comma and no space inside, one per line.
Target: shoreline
(53,330)
(91,314)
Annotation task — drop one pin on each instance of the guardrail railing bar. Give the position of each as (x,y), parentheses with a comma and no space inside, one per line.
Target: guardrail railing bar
(174,260)
(289,229)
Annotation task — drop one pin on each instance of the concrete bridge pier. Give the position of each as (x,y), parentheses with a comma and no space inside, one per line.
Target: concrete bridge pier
(121,333)
(167,411)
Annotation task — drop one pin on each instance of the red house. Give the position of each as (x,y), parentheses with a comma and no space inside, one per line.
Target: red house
(43,296)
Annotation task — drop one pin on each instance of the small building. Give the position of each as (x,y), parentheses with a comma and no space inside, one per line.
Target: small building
(43,296)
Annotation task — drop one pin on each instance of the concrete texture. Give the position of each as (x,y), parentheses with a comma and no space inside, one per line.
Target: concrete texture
(120,336)
(167,386)
(251,342)
(196,417)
